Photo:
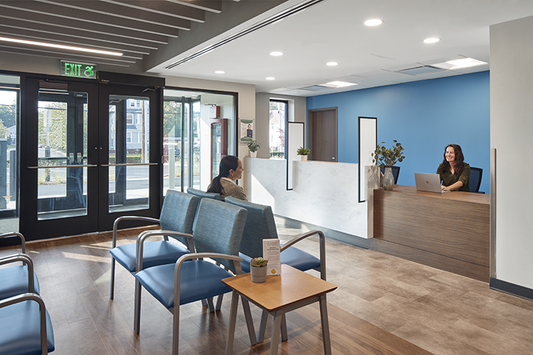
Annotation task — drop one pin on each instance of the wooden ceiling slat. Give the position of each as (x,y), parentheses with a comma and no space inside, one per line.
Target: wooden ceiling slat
(123,12)
(68,24)
(61,13)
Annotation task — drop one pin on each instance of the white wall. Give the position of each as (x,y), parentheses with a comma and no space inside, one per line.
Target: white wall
(324,194)
(511,85)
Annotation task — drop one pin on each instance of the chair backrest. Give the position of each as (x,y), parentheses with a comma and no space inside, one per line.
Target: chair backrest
(178,212)
(218,229)
(475,179)
(395,173)
(202,194)
(259,225)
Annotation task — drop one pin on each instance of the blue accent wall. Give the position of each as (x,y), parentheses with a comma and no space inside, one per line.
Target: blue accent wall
(424,116)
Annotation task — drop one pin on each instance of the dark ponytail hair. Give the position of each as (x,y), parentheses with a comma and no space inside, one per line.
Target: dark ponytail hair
(229,162)
(459,159)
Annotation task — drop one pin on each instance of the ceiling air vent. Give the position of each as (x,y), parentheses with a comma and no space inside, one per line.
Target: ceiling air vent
(420,70)
(315,88)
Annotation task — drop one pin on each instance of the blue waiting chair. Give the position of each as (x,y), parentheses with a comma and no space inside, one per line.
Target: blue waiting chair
(25,326)
(217,234)
(17,279)
(202,194)
(260,225)
(177,215)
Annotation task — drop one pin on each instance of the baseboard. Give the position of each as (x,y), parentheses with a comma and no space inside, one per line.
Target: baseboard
(515,290)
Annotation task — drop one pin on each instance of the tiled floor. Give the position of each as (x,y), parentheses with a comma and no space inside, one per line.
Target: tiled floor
(441,312)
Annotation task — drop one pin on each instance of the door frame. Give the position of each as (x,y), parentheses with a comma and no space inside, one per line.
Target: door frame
(29,225)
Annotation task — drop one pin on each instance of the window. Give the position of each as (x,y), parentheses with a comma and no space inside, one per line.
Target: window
(278,122)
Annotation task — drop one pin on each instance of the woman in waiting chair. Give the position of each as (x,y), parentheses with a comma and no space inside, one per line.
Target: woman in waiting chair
(230,169)
(454,172)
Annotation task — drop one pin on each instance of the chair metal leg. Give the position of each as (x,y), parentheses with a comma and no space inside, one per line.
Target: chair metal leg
(112,285)
(232,321)
(210,304)
(249,321)
(325,325)
(176,330)
(137,307)
(219,302)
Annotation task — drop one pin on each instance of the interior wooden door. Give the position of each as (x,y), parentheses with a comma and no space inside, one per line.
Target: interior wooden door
(323,134)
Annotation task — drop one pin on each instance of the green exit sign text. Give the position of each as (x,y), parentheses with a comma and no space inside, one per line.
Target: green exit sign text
(78,70)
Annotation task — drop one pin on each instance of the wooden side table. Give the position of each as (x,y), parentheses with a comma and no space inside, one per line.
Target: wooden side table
(278,295)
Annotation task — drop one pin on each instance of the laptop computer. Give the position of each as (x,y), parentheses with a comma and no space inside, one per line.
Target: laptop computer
(428,182)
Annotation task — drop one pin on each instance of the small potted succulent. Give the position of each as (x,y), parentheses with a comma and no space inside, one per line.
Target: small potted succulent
(303,153)
(258,269)
(253,147)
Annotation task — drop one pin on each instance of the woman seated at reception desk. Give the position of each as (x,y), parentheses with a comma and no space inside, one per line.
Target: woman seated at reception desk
(454,172)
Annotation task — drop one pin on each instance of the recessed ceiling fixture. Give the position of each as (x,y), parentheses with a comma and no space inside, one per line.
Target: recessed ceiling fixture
(60,46)
(270,78)
(432,40)
(460,63)
(373,22)
(220,72)
(340,84)
(276,54)
(332,64)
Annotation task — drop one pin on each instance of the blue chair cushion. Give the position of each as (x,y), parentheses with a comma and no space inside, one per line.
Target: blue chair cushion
(14,281)
(299,259)
(200,279)
(20,329)
(154,253)
(292,256)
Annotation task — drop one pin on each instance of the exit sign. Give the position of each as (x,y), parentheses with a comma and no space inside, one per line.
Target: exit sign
(78,70)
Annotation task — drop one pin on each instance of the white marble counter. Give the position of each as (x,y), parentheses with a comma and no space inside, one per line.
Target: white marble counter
(324,194)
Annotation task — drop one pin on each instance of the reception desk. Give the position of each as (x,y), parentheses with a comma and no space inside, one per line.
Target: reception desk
(449,231)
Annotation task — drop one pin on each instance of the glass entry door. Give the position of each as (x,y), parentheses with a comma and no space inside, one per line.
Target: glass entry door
(86,157)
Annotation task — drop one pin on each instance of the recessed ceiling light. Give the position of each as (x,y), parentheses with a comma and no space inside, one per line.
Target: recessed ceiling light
(340,84)
(432,40)
(220,72)
(276,54)
(373,22)
(270,78)
(465,63)
(60,46)
(332,64)
(459,64)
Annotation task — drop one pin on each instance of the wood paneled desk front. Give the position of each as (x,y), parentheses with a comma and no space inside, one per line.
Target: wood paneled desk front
(449,231)
(278,295)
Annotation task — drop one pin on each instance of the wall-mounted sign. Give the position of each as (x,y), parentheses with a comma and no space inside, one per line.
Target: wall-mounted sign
(78,70)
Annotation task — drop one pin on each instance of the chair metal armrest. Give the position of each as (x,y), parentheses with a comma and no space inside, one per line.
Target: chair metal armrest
(177,270)
(322,247)
(16,234)
(152,233)
(25,260)
(42,312)
(129,218)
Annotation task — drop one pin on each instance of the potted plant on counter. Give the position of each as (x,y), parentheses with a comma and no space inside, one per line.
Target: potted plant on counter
(303,153)
(258,269)
(387,157)
(253,147)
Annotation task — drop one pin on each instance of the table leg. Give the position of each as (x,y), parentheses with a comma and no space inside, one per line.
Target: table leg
(249,321)
(276,325)
(325,325)
(232,320)
(284,335)
(262,326)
